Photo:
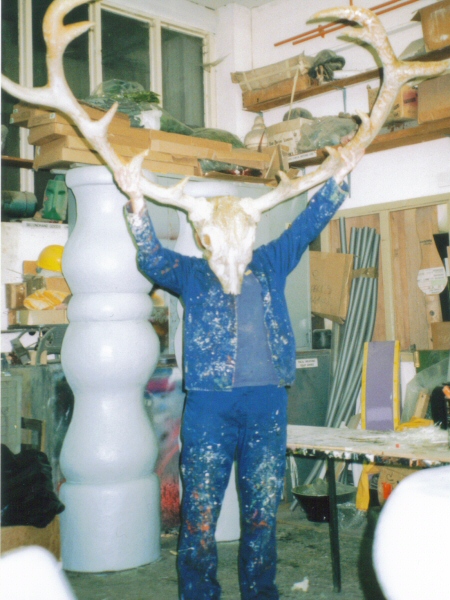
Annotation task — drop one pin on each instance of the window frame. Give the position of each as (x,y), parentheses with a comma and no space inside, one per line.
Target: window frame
(95,61)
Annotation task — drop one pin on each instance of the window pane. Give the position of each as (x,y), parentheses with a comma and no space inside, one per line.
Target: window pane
(182,59)
(125,49)
(10,67)
(76,57)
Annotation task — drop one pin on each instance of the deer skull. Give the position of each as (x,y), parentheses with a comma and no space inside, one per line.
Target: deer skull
(227,234)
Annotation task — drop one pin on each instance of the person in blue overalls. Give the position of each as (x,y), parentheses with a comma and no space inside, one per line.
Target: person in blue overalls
(239,356)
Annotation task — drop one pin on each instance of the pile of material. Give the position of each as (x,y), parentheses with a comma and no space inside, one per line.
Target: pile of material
(37,300)
(59,144)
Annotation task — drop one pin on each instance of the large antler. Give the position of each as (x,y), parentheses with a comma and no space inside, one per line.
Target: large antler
(395,74)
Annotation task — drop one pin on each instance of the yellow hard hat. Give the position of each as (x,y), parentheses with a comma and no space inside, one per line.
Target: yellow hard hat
(50,258)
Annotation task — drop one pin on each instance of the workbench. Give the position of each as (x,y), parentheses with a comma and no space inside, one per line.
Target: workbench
(424,447)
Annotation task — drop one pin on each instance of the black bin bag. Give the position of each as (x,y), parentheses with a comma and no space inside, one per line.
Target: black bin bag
(28,497)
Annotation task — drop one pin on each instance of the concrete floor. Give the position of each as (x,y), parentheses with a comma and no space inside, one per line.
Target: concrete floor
(303,552)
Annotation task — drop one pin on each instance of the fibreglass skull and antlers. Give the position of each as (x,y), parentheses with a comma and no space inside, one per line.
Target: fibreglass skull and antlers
(225,225)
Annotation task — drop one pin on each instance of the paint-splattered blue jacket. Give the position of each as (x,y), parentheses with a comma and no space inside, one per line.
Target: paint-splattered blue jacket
(210,334)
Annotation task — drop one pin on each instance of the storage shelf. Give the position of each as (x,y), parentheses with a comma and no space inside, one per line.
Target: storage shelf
(14,161)
(424,132)
(337,84)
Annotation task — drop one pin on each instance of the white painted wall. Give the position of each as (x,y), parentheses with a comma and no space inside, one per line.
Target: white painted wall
(180,12)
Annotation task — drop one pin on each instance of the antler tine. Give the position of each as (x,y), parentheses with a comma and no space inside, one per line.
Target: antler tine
(58,95)
(395,74)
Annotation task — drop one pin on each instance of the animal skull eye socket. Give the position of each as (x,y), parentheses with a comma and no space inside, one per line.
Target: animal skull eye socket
(206,240)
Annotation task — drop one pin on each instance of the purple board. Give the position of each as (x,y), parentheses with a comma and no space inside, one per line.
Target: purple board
(379,408)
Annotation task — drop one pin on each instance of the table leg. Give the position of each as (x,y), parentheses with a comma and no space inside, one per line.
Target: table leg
(334,527)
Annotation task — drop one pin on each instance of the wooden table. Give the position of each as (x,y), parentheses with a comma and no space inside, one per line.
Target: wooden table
(425,447)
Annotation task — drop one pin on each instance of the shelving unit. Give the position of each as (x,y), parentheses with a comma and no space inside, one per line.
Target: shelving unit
(424,132)
(284,98)
(397,137)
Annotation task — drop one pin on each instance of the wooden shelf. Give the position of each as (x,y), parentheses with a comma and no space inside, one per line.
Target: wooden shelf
(267,102)
(424,132)
(14,161)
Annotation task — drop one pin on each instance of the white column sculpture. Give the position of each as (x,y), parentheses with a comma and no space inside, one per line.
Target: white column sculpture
(112,517)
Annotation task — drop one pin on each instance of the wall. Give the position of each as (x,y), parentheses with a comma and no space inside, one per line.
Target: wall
(181,12)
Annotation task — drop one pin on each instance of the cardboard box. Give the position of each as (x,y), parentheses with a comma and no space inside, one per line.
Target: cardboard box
(116,125)
(405,107)
(286,133)
(176,168)
(15,294)
(55,154)
(79,143)
(245,158)
(435,20)
(25,535)
(188,140)
(29,267)
(440,335)
(263,99)
(330,278)
(37,317)
(22,113)
(181,149)
(57,283)
(389,478)
(33,283)
(264,77)
(43,134)
(434,99)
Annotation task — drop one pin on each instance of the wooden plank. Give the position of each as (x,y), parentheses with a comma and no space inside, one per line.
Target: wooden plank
(432,130)
(373,221)
(340,443)
(425,132)
(416,299)
(386,254)
(339,84)
(79,143)
(14,161)
(282,96)
(400,279)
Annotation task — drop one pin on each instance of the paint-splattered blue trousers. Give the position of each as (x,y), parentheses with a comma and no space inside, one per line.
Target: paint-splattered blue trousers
(247,425)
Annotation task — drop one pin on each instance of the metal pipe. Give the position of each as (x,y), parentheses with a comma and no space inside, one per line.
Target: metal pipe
(322,30)
(365,334)
(353,333)
(343,235)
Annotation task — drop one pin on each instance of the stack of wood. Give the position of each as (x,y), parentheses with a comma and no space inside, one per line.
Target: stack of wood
(59,144)
(37,300)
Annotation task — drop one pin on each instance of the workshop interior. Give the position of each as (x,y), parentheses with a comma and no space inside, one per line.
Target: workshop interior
(116,108)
